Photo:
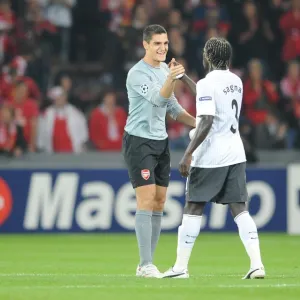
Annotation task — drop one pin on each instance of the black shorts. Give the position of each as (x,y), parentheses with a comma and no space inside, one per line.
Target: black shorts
(148,161)
(220,185)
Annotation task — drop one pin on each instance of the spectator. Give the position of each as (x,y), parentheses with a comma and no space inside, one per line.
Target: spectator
(260,95)
(160,12)
(26,113)
(112,120)
(62,128)
(65,81)
(176,21)
(9,80)
(7,16)
(59,13)
(271,134)
(247,132)
(290,26)
(210,14)
(177,44)
(7,24)
(272,12)
(132,37)
(8,130)
(120,12)
(12,141)
(21,61)
(290,89)
(251,35)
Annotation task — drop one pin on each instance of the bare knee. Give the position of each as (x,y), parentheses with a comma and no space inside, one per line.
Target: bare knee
(237,208)
(160,198)
(145,196)
(193,208)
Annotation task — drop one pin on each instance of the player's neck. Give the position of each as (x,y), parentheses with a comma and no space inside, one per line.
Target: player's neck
(151,62)
(215,69)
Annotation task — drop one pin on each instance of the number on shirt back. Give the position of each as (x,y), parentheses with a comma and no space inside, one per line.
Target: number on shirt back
(234,104)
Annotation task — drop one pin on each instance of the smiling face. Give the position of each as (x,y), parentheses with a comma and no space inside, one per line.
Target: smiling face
(157,48)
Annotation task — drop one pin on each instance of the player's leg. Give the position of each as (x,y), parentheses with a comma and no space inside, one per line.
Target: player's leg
(141,166)
(236,196)
(143,224)
(202,186)
(158,208)
(162,179)
(249,236)
(188,232)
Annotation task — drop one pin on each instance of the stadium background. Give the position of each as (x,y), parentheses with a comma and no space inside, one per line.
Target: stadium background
(64,103)
(63,172)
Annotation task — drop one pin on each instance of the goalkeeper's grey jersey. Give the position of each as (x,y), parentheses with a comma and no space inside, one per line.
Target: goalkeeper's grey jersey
(147,108)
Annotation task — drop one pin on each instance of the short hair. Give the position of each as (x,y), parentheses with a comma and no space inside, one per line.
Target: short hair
(150,30)
(218,52)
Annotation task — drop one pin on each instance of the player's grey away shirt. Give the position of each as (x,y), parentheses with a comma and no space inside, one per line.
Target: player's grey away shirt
(147,108)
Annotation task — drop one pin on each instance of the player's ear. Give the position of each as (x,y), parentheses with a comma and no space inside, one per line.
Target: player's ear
(146,45)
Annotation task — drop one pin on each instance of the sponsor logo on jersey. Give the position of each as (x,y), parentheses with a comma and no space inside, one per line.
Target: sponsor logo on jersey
(205,98)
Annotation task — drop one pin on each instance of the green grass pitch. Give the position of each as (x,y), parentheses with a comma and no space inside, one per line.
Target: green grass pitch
(100,266)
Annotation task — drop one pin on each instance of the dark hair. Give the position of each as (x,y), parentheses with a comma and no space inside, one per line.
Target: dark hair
(150,30)
(218,52)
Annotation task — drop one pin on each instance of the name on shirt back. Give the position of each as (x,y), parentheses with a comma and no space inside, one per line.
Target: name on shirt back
(232,88)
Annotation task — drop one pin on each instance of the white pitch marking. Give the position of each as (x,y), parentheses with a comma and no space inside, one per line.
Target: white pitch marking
(100,286)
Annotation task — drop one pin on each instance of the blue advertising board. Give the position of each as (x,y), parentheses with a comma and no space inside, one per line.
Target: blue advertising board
(88,200)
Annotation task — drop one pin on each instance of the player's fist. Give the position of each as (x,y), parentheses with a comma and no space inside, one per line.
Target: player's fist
(175,63)
(172,62)
(185,164)
(176,71)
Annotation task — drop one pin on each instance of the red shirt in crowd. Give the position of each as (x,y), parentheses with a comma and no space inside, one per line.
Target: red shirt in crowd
(61,137)
(290,26)
(252,96)
(25,113)
(8,18)
(107,134)
(8,136)
(7,87)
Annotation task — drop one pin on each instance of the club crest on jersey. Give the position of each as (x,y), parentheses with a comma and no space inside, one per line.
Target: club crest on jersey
(205,98)
(145,174)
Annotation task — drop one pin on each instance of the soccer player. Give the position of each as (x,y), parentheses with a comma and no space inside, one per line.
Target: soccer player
(217,159)
(150,85)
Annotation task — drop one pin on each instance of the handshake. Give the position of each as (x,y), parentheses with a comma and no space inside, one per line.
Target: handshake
(176,69)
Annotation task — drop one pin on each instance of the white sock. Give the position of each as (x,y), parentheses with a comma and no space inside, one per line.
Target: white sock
(187,234)
(249,237)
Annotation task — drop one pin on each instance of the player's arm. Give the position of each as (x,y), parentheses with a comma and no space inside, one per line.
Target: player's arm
(178,113)
(168,87)
(185,79)
(206,110)
(141,83)
(190,83)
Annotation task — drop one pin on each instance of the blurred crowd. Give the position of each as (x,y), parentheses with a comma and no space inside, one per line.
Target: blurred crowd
(65,111)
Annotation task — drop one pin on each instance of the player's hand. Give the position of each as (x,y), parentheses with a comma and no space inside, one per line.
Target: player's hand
(175,71)
(184,165)
(173,62)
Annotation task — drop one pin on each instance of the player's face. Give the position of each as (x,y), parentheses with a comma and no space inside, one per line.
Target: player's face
(158,47)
